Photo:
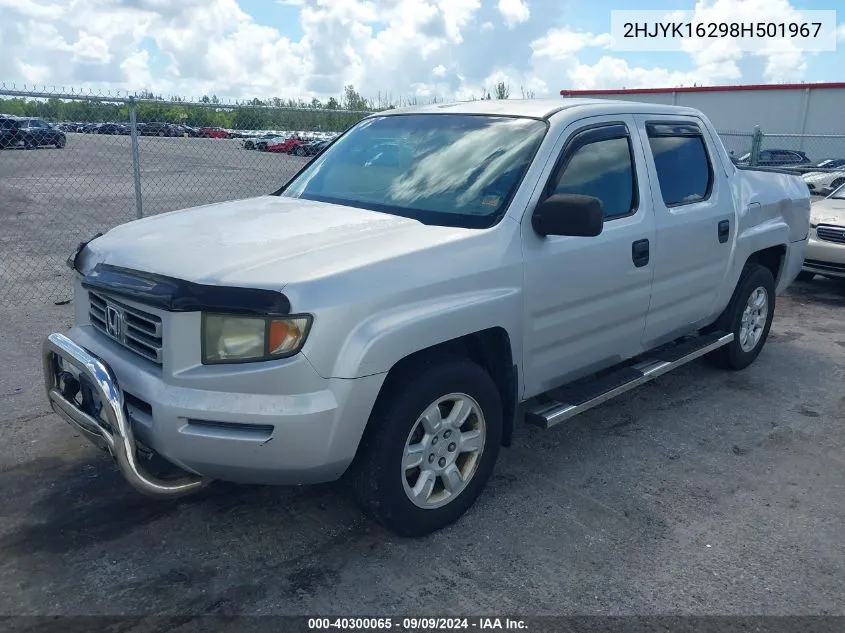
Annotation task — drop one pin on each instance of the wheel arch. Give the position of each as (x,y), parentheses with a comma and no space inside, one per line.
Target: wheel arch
(489,348)
(772,258)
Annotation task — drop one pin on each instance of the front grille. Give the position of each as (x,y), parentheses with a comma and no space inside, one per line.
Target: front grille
(831,233)
(135,329)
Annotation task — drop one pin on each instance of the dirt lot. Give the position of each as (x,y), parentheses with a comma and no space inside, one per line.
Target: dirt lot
(703,493)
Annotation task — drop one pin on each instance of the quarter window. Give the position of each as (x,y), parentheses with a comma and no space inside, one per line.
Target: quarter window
(683,167)
(603,169)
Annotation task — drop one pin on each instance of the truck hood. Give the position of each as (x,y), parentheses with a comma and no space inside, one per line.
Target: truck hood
(264,242)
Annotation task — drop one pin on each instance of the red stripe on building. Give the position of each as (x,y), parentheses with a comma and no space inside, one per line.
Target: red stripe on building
(647,91)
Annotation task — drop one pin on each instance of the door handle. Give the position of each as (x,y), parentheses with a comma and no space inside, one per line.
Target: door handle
(640,253)
(724,231)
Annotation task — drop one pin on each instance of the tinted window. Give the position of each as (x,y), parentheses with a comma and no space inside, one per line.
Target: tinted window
(602,169)
(446,169)
(683,167)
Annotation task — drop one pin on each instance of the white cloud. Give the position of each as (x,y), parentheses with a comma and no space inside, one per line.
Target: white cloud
(562,43)
(514,12)
(401,48)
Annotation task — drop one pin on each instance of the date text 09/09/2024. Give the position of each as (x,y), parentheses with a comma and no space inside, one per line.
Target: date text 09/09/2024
(722,29)
(416,624)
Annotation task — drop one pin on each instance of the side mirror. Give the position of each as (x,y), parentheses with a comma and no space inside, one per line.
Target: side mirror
(569,214)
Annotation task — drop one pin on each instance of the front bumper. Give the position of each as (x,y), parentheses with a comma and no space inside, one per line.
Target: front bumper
(307,431)
(69,371)
(824,258)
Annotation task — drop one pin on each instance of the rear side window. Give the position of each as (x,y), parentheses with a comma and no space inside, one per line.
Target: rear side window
(683,166)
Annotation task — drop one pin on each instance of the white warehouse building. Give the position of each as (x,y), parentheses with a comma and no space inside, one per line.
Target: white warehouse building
(782,111)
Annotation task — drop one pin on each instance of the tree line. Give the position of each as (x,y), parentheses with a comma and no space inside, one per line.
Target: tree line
(331,115)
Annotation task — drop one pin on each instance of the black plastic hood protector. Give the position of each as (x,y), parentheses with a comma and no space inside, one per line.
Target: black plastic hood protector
(177,295)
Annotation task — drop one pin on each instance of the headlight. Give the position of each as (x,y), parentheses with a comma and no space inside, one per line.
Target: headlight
(236,339)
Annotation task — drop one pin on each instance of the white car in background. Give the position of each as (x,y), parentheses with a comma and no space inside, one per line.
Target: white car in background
(825,252)
(823,182)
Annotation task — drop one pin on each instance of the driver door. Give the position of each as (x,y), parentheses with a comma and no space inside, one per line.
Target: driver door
(587,298)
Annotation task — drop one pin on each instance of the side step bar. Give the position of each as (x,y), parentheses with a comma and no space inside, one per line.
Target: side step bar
(570,401)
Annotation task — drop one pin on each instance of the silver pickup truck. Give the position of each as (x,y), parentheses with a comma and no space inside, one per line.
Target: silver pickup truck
(432,278)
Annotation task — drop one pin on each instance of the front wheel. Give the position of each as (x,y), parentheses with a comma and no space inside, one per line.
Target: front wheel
(748,317)
(430,446)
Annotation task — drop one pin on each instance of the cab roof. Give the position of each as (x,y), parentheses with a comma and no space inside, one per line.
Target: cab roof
(536,108)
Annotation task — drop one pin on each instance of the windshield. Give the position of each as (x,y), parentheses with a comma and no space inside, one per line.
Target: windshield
(446,169)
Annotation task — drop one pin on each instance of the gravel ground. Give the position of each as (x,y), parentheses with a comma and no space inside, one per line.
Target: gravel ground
(704,492)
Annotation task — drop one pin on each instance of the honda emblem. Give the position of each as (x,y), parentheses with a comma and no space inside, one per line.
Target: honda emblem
(114,322)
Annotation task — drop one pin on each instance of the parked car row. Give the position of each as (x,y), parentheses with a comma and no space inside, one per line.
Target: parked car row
(29,133)
(152,128)
(292,144)
(822,177)
(311,143)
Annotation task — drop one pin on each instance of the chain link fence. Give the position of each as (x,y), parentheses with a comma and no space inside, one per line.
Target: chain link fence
(74,164)
(737,143)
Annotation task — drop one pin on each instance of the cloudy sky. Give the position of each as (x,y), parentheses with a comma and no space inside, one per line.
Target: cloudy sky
(305,48)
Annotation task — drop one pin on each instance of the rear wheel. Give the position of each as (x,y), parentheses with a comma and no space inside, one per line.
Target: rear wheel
(748,317)
(430,446)
(61,142)
(29,143)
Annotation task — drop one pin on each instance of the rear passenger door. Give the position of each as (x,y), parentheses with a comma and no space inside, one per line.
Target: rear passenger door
(586,298)
(694,221)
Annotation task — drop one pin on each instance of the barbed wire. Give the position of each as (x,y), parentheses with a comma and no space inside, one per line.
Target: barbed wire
(35,92)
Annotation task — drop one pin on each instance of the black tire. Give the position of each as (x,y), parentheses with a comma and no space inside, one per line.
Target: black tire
(732,356)
(375,475)
(61,142)
(805,275)
(29,143)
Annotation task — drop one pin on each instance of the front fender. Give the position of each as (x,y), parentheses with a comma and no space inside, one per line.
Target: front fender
(384,338)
